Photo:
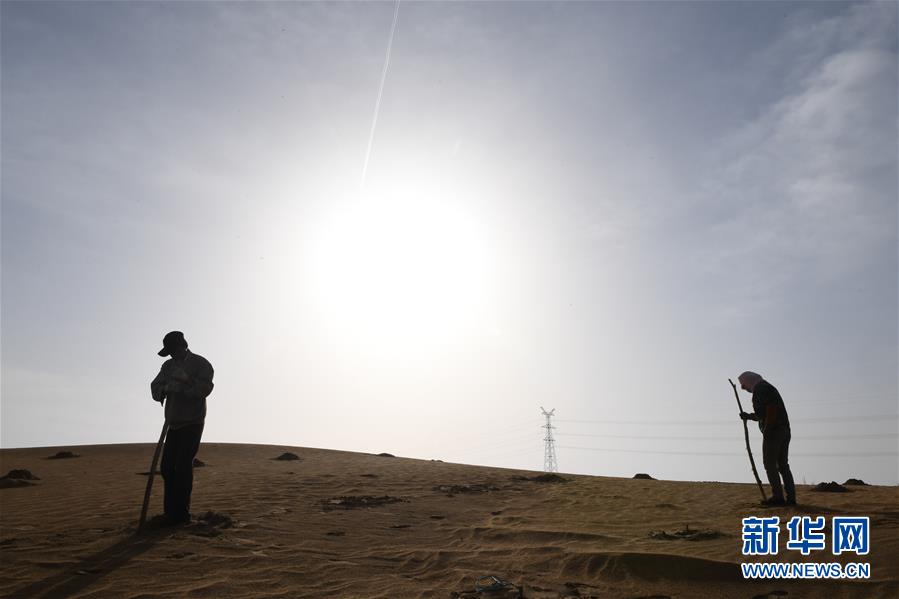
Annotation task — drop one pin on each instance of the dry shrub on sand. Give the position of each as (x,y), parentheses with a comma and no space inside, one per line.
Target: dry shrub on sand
(63,455)
(831,487)
(287,457)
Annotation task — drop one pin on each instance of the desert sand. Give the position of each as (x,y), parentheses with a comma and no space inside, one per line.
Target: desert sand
(342,524)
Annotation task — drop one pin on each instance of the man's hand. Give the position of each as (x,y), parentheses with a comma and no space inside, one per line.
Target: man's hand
(746,416)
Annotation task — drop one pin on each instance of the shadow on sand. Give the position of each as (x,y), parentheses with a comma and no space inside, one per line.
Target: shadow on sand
(91,569)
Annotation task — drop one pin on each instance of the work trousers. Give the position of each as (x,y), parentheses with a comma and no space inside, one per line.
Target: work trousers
(177,469)
(775,453)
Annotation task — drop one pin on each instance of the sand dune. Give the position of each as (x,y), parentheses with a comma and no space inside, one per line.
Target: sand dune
(341,524)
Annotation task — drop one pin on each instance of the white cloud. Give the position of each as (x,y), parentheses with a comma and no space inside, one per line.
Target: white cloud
(810,185)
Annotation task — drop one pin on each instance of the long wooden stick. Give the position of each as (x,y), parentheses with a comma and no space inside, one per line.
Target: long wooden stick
(143,510)
(748,449)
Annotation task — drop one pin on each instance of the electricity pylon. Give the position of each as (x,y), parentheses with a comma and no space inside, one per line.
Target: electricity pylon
(549,451)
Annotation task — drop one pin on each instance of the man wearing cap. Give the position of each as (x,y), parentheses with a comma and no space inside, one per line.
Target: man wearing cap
(185,380)
(771,414)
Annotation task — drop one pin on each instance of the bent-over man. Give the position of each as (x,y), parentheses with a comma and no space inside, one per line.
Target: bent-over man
(182,385)
(771,414)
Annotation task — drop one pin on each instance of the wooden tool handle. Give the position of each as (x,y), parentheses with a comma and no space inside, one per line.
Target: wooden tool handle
(143,510)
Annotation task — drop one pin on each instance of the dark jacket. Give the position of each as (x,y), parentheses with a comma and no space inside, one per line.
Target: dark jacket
(184,385)
(763,395)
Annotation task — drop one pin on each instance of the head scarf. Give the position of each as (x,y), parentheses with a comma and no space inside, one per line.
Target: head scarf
(750,379)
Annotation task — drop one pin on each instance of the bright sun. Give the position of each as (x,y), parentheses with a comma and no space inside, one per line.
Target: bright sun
(400,272)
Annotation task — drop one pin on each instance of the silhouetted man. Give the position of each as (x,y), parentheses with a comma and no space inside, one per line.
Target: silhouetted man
(185,380)
(771,414)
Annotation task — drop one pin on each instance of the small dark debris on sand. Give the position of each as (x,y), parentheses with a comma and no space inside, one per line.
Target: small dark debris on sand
(549,477)
(335,533)
(508,592)
(199,463)
(63,455)
(857,482)
(401,526)
(211,524)
(451,490)
(15,479)
(216,519)
(643,476)
(287,457)
(369,475)
(21,474)
(831,487)
(156,472)
(359,501)
(386,455)
(687,534)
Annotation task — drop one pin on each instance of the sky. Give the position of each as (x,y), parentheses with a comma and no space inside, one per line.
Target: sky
(603,209)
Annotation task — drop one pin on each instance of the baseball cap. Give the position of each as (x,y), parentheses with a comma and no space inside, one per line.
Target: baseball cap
(172,340)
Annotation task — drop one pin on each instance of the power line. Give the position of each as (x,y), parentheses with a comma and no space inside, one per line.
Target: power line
(727,453)
(847,400)
(492,455)
(499,444)
(874,417)
(731,438)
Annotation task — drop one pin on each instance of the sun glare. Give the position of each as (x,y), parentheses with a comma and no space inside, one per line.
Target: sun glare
(399,272)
